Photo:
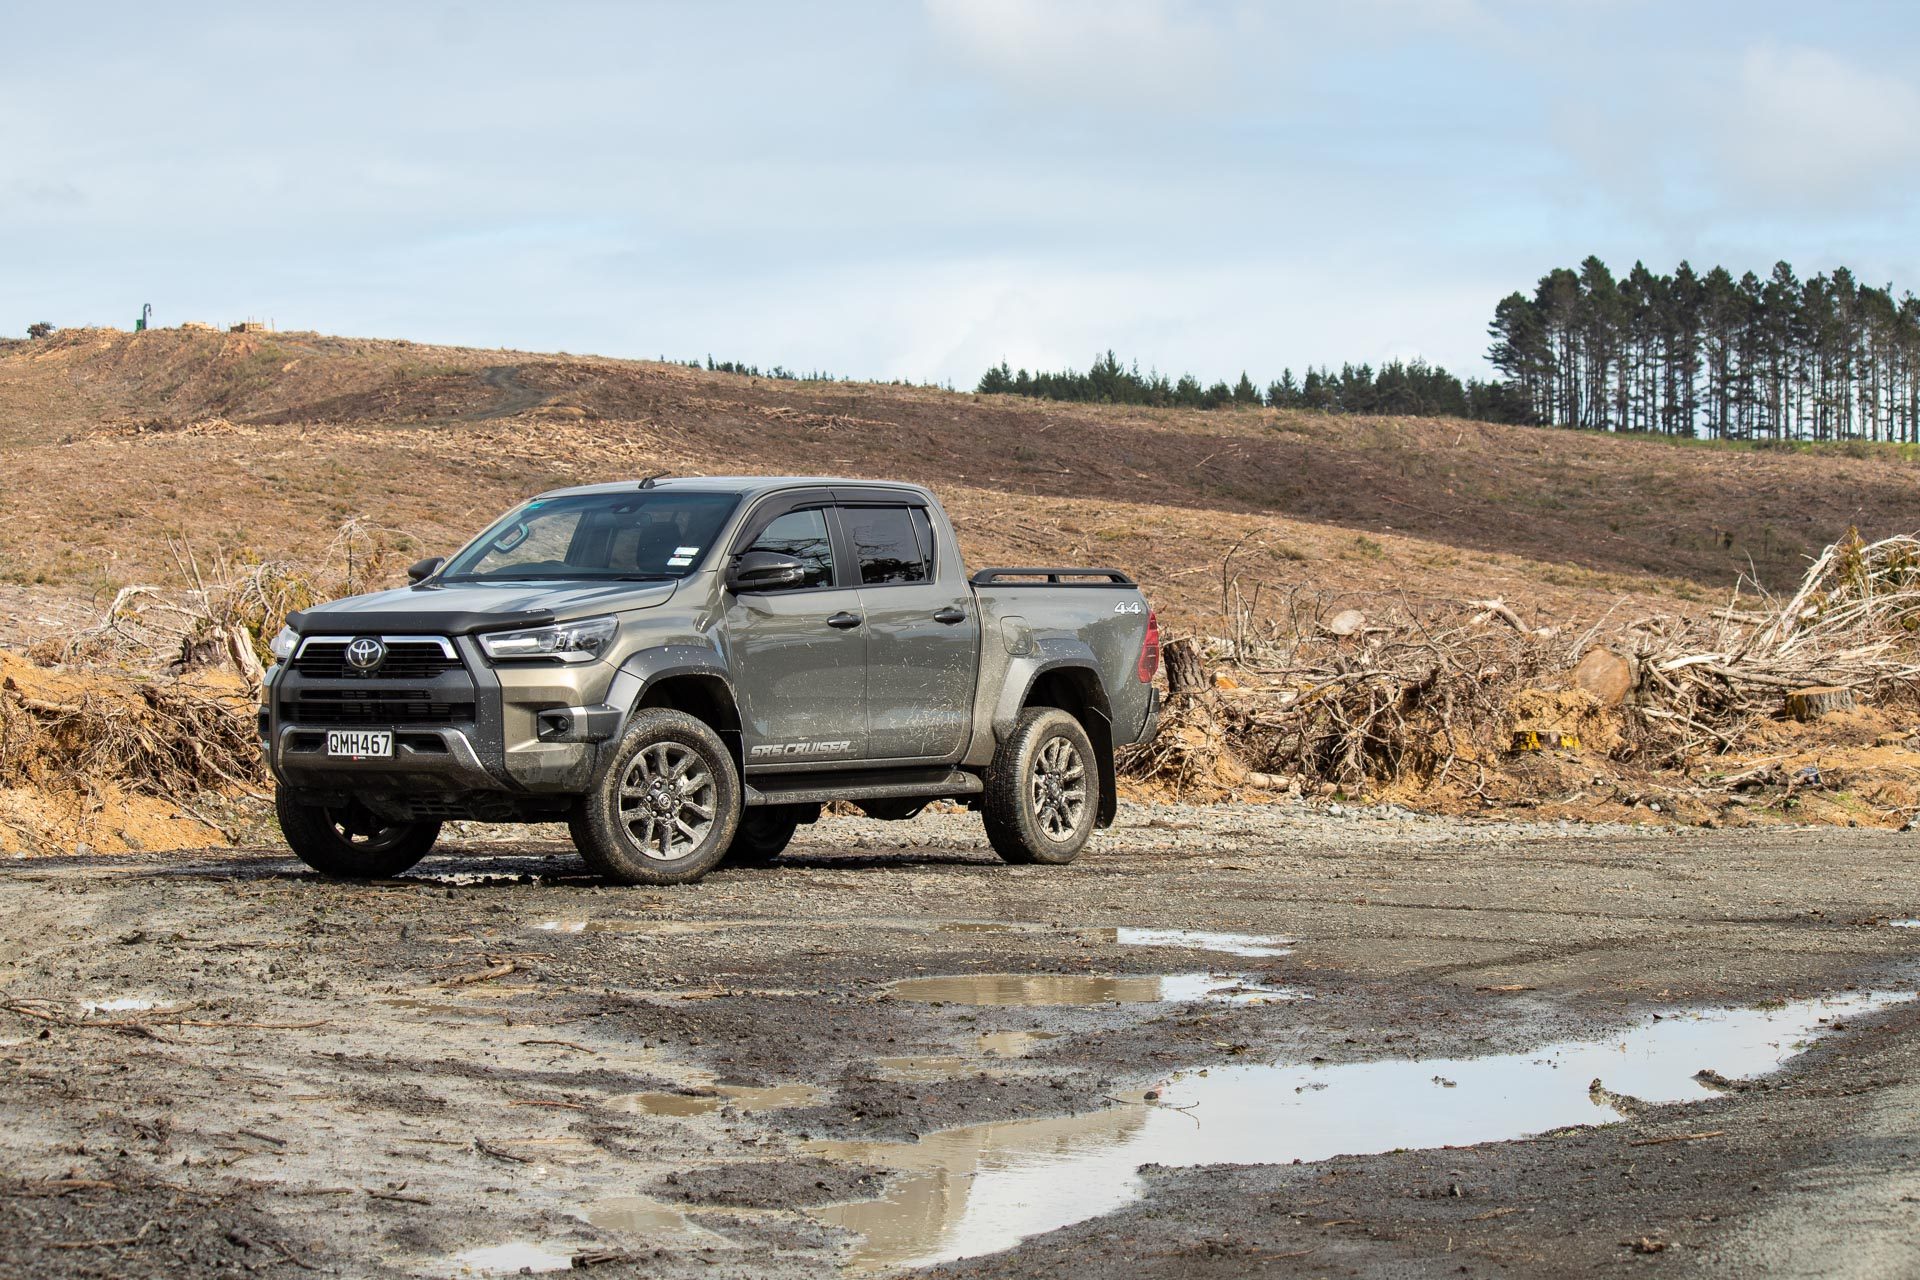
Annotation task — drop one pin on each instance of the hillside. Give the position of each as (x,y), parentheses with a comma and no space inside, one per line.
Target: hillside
(267,442)
(170,459)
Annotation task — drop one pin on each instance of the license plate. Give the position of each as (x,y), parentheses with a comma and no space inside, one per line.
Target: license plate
(359,743)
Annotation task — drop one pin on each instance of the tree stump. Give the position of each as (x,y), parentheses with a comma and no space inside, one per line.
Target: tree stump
(1185,675)
(1606,675)
(1814,702)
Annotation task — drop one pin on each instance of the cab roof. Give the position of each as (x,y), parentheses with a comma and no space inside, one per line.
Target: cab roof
(747,486)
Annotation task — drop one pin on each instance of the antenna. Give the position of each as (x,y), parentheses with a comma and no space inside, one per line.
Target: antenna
(658,475)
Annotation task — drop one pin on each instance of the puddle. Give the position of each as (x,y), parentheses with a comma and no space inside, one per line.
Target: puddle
(984,926)
(983,1188)
(124,1004)
(1014,1044)
(744,1097)
(1083,989)
(506,1259)
(1233,944)
(649,1220)
(459,878)
(1905,924)
(664,928)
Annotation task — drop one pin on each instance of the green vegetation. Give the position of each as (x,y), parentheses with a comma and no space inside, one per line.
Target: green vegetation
(1410,387)
(1689,355)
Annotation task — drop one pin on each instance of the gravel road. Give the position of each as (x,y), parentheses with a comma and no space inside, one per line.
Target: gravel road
(1228,1041)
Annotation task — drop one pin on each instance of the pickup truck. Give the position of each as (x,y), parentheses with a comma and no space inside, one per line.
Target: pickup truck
(684,670)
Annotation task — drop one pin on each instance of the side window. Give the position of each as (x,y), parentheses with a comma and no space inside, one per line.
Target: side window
(802,535)
(884,540)
(923,534)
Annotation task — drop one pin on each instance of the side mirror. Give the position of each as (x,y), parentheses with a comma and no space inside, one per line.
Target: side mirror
(765,571)
(420,570)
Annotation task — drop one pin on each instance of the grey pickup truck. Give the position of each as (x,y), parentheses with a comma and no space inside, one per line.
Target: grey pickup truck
(685,670)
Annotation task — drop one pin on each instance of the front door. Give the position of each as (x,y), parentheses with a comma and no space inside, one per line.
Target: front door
(922,637)
(799,656)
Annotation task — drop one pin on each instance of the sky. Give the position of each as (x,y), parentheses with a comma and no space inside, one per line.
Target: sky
(918,189)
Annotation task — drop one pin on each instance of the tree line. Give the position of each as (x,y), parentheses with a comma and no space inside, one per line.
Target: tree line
(1411,387)
(1688,354)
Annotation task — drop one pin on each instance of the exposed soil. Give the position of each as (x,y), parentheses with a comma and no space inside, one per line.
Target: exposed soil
(218,1061)
(265,442)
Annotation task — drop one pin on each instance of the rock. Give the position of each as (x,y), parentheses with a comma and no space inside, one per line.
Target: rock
(1816,701)
(1606,675)
(1345,623)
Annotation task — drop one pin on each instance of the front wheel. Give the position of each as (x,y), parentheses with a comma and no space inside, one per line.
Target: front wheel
(1043,789)
(351,841)
(665,808)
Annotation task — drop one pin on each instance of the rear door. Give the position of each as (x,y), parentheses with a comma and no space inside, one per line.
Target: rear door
(799,655)
(923,634)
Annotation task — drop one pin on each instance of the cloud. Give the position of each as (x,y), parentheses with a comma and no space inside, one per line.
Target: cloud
(1809,118)
(1157,53)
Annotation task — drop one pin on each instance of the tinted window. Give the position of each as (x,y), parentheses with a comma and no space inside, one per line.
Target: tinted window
(802,535)
(884,539)
(923,533)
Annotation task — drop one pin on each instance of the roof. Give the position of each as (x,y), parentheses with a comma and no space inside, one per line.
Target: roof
(747,485)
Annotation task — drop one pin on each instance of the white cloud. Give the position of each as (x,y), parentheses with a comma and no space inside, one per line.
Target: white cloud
(1807,118)
(1146,52)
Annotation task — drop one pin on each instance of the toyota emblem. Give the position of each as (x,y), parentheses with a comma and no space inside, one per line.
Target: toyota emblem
(366,653)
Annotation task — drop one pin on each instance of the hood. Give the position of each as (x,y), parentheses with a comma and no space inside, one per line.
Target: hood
(463,607)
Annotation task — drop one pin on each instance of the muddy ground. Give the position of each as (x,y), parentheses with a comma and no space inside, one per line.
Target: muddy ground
(217,1064)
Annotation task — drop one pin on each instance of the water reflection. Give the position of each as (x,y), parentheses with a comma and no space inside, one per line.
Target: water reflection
(985,1187)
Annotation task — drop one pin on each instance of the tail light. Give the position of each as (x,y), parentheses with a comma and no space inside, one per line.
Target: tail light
(1150,649)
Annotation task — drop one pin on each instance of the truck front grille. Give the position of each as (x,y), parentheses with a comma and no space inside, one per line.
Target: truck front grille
(406,660)
(373,706)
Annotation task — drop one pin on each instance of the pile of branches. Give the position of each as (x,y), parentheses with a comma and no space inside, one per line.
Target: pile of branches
(1851,625)
(1353,690)
(160,737)
(1346,696)
(158,696)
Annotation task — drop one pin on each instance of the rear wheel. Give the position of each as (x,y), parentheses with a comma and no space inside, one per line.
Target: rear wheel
(763,834)
(1043,789)
(351,841)
(665,808)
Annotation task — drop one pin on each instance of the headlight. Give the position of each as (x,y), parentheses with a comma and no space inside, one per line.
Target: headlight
(283,645)
(580,641)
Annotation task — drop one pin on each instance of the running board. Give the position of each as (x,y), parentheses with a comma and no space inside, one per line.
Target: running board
(875,785)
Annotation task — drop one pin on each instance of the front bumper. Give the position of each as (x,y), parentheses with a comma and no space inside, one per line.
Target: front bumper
(470,738)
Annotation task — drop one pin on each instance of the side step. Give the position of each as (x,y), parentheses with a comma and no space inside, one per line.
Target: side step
(878,784)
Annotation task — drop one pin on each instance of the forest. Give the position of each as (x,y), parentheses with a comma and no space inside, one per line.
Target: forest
(1412,387)
(1687,354)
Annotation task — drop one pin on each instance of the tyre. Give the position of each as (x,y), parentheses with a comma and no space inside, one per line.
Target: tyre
(1043,789)
(664,808)
(351,841)
(763,833)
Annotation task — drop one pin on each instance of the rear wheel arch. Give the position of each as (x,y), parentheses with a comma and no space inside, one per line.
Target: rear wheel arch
(1076,690)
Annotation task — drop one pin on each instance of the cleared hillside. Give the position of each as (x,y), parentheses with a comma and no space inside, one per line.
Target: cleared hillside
(267,442)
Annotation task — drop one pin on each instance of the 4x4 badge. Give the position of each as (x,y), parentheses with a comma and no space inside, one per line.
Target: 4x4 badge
(365,653)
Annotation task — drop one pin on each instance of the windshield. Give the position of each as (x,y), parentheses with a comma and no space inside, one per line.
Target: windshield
(635,535)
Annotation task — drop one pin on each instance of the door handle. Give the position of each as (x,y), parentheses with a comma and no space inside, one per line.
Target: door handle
(950,615)
(844,621)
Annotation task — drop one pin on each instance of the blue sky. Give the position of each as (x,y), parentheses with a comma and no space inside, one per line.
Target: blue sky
(916,189)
